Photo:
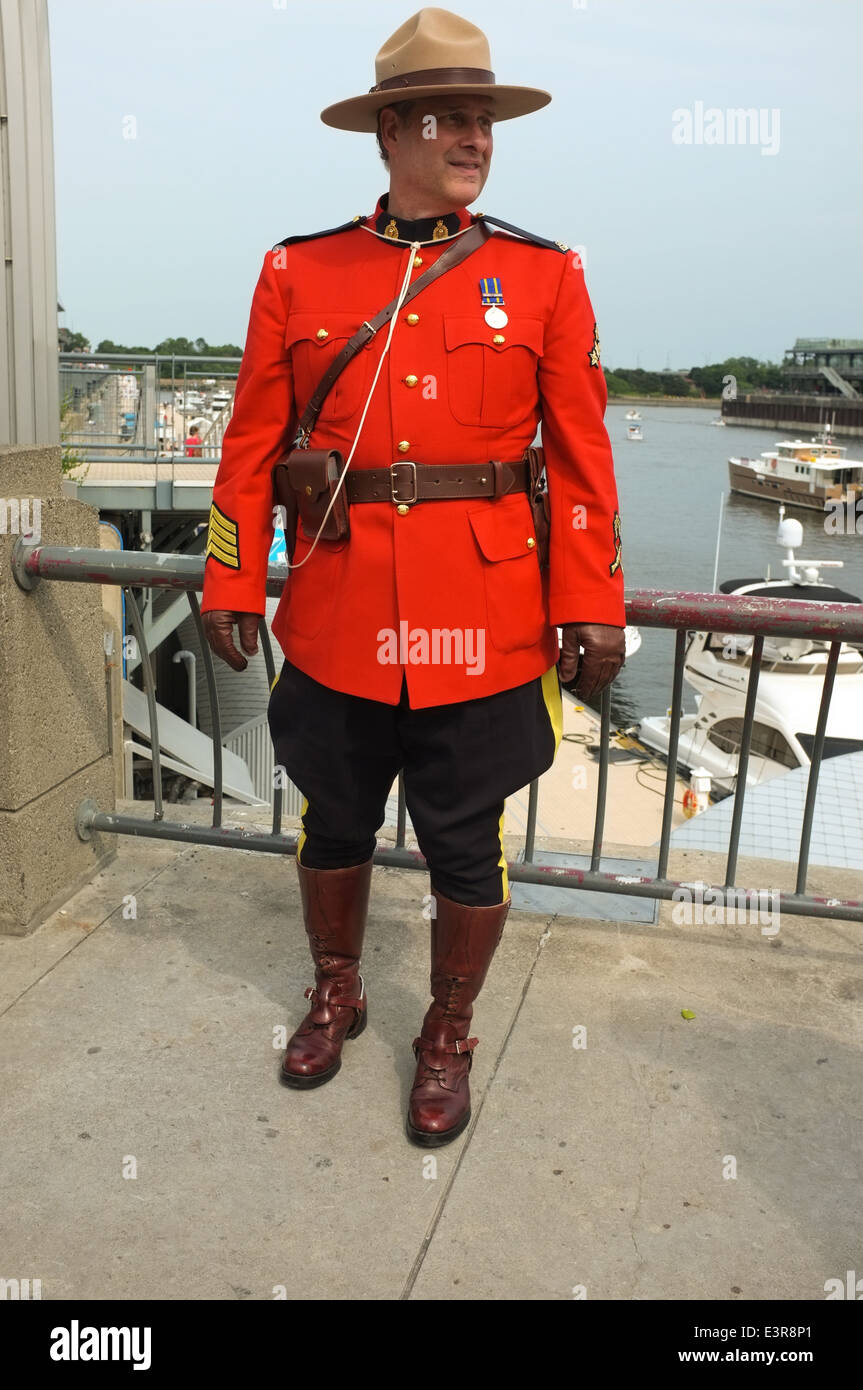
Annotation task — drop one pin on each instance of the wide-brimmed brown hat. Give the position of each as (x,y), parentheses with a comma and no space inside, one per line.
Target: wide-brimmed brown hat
(434,53)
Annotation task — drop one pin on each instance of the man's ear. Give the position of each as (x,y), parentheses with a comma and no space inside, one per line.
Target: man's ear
(388,122)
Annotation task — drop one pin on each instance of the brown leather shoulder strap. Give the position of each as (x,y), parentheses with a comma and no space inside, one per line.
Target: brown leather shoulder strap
(454,255)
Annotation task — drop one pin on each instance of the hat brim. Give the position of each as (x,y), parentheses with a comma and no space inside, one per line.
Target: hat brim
(361,113)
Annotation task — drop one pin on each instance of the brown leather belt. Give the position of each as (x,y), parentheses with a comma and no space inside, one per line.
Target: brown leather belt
(407,482)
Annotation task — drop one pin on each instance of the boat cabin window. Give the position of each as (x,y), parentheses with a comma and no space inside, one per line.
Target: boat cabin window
(767,742)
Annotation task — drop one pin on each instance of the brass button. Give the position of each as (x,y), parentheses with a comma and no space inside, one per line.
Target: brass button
(322,333)
(418,260)
(498,338)
(413,318)
(411,380)
(403,446)
(530,542)
(308,490)
(402,509)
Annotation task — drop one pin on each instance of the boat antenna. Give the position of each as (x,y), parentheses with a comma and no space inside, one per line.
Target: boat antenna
(718,539)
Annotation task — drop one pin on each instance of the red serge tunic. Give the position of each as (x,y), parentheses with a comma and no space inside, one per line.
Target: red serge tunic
(452,390)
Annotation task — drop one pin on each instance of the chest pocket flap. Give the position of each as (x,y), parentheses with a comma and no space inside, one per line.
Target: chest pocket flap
(519,332)
(488,383)
(314,339)
(307,325)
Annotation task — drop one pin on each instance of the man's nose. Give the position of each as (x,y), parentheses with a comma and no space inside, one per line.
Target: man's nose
(475,137)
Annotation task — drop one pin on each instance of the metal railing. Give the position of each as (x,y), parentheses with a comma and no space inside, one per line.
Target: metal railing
(679,611)
(114,412)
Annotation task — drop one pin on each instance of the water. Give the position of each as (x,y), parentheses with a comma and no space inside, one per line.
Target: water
(670,485)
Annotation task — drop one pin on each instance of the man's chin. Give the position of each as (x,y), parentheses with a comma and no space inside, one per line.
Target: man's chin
(466,187)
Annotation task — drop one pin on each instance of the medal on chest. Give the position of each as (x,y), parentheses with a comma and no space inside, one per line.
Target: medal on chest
(492,295)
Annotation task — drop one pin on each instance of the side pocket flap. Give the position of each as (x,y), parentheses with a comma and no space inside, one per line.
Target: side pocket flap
(503,529)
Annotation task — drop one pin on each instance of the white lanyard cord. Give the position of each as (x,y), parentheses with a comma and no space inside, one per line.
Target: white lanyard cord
(414,247)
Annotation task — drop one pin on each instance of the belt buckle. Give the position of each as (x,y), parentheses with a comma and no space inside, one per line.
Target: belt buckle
(403,501)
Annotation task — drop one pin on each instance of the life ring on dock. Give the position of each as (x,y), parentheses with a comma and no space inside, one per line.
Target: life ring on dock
(690,802)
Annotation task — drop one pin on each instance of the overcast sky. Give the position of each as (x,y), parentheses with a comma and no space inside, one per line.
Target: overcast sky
(693,251)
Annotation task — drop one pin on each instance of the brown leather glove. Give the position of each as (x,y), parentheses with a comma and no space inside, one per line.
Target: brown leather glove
(219,632)
(604,653)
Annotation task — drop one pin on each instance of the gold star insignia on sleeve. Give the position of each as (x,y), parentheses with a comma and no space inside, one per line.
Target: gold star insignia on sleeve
(593,355)
(616,562)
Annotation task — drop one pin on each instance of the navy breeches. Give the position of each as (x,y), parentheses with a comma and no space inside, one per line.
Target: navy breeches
(460,762)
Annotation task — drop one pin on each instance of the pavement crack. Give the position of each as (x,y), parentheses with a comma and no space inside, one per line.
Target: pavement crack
(642,1171)
(476,1111)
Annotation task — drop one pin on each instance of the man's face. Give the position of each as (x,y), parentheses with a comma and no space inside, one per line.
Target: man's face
(442,153)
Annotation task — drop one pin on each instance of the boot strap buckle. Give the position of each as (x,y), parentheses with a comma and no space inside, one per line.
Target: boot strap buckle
(460,1045)
(337,1001)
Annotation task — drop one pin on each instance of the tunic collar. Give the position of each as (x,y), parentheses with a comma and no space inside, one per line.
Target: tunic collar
(425,230)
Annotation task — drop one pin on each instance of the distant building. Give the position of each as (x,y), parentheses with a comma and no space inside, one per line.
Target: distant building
(824,367)
(822,390)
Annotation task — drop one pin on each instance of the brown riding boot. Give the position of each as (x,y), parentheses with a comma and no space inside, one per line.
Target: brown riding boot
(335,904)
(464,939)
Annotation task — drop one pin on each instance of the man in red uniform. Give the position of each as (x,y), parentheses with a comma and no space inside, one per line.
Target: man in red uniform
(426,640)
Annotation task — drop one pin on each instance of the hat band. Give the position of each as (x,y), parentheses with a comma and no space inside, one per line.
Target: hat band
(437,76)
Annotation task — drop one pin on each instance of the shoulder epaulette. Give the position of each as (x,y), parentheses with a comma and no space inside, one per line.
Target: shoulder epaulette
(312,236)
(526,236)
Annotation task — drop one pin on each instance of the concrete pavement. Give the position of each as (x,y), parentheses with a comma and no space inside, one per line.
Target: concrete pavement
(149,1152)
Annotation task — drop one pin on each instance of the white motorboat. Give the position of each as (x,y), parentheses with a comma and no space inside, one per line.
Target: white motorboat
(634,432)
(809,475)
(719,422)
(632,415)
(220,399)
(789,685)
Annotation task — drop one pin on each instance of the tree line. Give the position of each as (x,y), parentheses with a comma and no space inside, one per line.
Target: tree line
(168,347)
(749,375)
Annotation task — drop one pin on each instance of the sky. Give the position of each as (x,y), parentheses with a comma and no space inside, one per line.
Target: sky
(188,141)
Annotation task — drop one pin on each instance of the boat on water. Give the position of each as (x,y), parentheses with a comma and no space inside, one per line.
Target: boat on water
(220,399)
(716,666)
(802,474)
(719,422)
(632,415)
(634,432)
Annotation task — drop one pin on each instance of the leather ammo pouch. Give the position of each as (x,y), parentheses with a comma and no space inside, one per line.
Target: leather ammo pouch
(304,483)
(539,502)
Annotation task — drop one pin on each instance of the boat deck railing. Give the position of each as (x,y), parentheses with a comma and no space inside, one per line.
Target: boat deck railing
(677,611)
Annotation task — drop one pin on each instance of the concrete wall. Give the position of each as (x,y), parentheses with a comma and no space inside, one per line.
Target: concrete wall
(29,384)
(55,745)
